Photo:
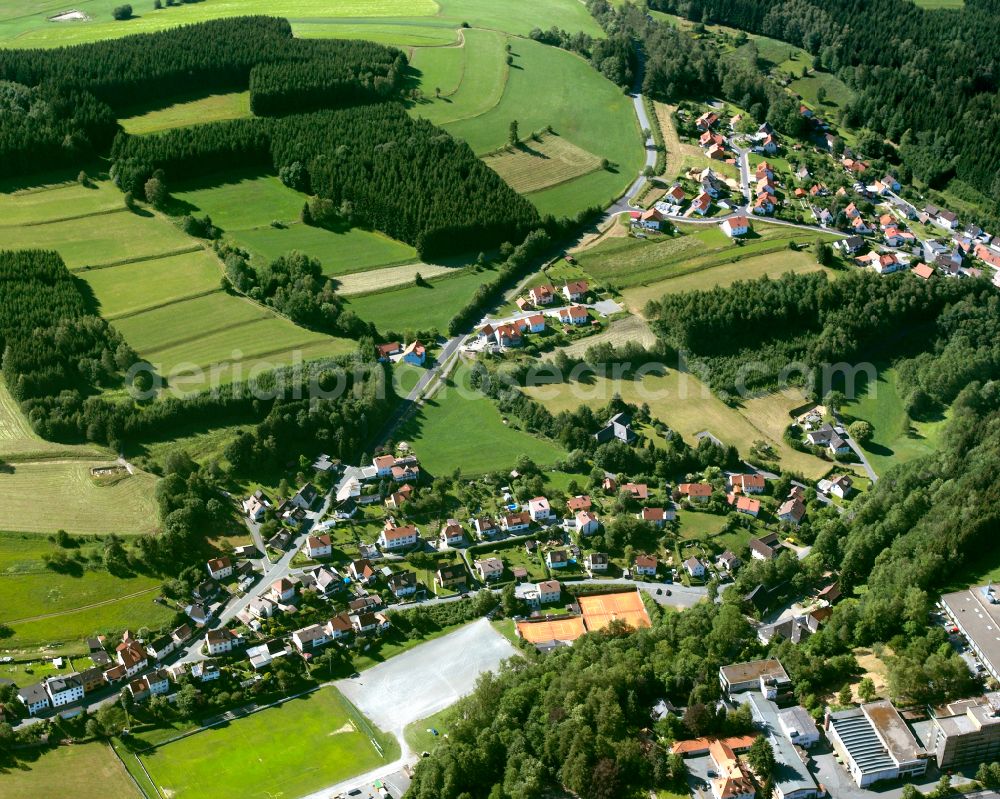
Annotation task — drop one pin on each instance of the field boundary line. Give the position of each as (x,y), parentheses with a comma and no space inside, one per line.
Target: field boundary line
(164,304)
(202,334)
(131,776)
(506,81)
(139,259)
(57,220)
(92,605)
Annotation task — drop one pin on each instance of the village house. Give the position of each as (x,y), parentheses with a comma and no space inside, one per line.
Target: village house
(542,295)
(573,315)
(675,195)
(696,492)
(841,485)
(549,592)
(153,684)
(198,614)
(728,561)
(221,641)
(791,511)
(206,671)
(578,503)
(764,171)
(765,548)
(403,584)
(339,626)
(637,491)
(515,522)
(451,576)
(829,438)
(34,697)
(539,509)
(256,506)
(160,647)
(852,245)
(716,152)
(328,581)
(405,472)
(386,351)
(393,538)
(383,465)
(64,690)
(485,527)
(308,638)
(701,204)
(764,204)
(923,271)
(452,534)
(596,562)
(744,504)
(586,523)
(220,568)
(131,655)
(557,559)
(261,608)
(305,497)
(706,120)
(694,567)
(657,517)
(645,566)
(735,226)
(618,427)
(507,336)
(747,483)
(575,290)
(319,546)
(415,354)
(535,323)
(489,569)
(282,590)
(397,498)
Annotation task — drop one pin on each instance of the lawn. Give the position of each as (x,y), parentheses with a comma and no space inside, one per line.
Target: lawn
(75,604)
(682,402)
(536,165)
(419,307)
(290,750)
(472,78)
(897,438)
(756,266)
(24,24)
(837,92)
(214,108)
(520,16)
(131,288)
(420,32)
(442,432)
(246,205)
(93,770)
(418,734)
(551,87)
(61,495)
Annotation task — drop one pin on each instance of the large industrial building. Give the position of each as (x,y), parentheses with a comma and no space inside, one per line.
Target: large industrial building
(976,613)
(792,779)
(966,732)
(875,743)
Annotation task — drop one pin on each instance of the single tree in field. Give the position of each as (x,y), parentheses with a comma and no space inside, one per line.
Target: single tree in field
(866,689)
(122,12)
(514,138)
(156,192)
(821,95)
(437,92)
(861,431)
(844,696)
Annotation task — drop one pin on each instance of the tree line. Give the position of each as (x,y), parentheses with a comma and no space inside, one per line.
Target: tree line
(402,176)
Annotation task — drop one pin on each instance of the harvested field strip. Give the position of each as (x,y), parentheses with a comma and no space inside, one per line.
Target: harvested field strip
(59,201)
(164,304)
(536,165)
(619,332)
(200,335)
(68,218)
(18,441)
(389,277)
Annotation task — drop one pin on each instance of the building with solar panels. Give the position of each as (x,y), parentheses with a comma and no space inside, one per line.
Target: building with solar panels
(875,743)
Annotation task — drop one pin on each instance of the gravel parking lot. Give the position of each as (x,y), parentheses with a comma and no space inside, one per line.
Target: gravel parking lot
(429,677)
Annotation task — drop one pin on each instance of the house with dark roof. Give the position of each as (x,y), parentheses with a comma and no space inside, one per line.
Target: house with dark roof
(618,427)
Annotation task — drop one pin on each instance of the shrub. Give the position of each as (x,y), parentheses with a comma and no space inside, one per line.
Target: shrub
(122,12)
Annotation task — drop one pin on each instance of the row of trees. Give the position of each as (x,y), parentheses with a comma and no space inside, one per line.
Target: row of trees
(402,176)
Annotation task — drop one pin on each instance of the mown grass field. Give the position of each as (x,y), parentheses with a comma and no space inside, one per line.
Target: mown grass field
(472,78)
(290,750)
(837,92)
(130,288)
(18,442)
(460,428)
(386,277)
(595,116)
(415,33)
(897,438)
(41,605)
(24,23)
(756,266)
(58,201)
(46,496)
(419,307)
(520,16)
(246,206)
(536,165)
(92,769)
(214,108)
(685,404)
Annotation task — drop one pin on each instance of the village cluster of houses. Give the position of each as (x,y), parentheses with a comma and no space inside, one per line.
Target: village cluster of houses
(542,300)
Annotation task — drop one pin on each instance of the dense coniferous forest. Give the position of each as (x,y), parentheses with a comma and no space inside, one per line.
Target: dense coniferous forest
(52,341)
(59,105)
(399,175)
(906,64)
(817,321)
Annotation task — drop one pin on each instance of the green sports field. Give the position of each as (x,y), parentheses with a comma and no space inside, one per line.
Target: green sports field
(290,750)
(93,770)
(442,430)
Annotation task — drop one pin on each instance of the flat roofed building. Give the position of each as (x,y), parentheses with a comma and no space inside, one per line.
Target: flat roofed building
(976,613)
(792,779)
(798,726)
(966,732)
(875,743)
(738,677)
